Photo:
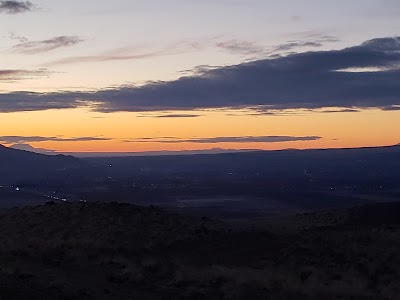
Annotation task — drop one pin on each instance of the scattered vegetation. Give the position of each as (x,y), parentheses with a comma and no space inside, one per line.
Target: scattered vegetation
(120,251)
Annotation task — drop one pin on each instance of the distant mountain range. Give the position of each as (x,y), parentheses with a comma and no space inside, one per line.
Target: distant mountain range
(30,148)
(21,164)
(159,153)
(27,147)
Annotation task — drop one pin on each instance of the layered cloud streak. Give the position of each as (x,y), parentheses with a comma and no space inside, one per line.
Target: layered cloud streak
(11,139)
(228,139)
(35,47)
(30,139)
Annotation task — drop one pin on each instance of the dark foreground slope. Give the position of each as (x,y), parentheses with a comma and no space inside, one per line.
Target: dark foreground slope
(119,251)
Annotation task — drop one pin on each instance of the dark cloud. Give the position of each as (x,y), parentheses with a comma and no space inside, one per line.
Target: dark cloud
(305,80)
(308,80)
(313,40)
(229,139)
(13,75)
(28,101)
(15,7)
(29,139)
(267,111)
(296,44)
(382,44)
(198,70)
(34,47)
(172,116)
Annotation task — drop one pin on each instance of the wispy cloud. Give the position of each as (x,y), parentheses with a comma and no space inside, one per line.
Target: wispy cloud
(34,47)
(296,18)
(14,75)
(228,139)
(17,37)
(29,139)
(101,58)
(253,49)
(15,7)
(310,41)
(296,44)
(131,53)
(198,70)
(241,47)
(234,46)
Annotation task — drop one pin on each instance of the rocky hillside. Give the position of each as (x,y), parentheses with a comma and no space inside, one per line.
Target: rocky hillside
(120,251)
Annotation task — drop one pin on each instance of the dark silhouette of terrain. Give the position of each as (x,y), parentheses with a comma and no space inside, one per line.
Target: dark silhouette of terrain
(78,248)
(336,164)
(233,185)
(120,251)
(18,164)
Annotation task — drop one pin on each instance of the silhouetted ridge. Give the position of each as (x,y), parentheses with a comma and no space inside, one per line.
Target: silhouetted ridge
(19,164)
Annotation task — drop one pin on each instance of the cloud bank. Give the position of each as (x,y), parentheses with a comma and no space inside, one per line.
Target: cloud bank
(363,76)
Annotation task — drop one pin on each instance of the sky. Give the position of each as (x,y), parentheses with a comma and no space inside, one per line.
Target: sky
(155,75)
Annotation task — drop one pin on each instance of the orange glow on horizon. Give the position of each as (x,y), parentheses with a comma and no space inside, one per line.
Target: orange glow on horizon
(337,130)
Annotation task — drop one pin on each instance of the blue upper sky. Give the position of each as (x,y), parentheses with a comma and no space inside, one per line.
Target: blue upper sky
(96,44)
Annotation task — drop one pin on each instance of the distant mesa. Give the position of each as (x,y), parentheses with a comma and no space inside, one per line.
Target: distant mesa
(17,164)
(27,147)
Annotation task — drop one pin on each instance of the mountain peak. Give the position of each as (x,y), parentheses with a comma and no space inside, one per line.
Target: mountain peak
(28,147)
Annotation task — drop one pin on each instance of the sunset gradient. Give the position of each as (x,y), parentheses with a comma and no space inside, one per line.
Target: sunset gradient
(138,76)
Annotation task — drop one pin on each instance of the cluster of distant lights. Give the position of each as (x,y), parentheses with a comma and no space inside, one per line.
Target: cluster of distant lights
(55,198)
(17,189)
